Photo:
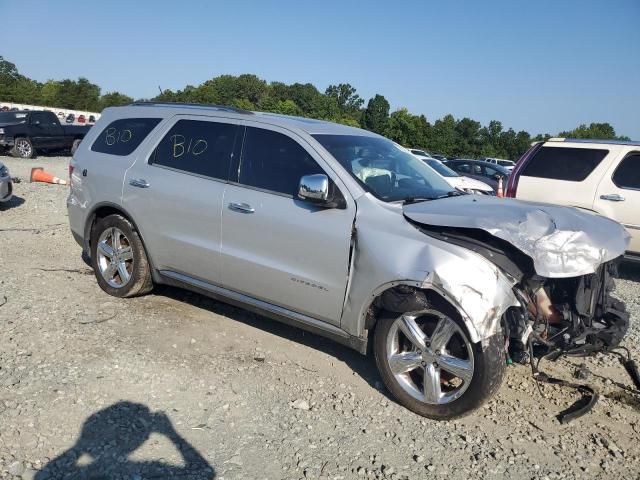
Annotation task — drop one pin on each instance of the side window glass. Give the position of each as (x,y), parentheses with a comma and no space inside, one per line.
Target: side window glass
(273,161)
(199,147)
(569,164)
(627,175)
(123,136)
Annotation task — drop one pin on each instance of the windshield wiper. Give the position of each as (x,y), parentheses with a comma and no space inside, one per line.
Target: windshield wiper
(452,193)
(409,200)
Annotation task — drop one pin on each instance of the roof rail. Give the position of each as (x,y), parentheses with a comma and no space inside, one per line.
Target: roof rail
(221,108)
(596,140)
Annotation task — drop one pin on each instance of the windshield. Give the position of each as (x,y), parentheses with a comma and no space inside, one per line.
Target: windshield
(384,169)
(441,168)
(12,117)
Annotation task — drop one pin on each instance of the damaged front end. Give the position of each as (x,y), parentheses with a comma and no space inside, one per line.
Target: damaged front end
(560,262)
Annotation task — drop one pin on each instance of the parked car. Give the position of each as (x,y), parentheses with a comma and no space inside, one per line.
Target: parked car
(92,119)
(23,133)
(508,164)
(4,109)
(437,156)
(466,184)
(82,119)
(602,176)
(340,231)
(6,186)
(485,172)
(70,118)
(60,115)
(421,154)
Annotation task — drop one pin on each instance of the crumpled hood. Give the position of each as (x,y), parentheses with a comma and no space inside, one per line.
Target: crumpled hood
(561,241)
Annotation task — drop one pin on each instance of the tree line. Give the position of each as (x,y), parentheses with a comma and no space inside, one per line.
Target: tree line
(338,103)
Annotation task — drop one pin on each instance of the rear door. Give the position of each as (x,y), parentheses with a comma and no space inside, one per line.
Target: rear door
(618,195)
(175,194)
(278,248)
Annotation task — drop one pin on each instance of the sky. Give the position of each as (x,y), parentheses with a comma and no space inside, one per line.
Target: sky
(540,66)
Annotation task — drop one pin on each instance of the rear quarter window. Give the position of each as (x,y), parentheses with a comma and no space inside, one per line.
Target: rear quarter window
(559,163)
(122,137)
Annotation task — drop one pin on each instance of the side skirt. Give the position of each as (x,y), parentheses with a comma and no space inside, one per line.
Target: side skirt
(275,312)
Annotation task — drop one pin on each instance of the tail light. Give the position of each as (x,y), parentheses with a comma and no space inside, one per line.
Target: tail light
(512,184)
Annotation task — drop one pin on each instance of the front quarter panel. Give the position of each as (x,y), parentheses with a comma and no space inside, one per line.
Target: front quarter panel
(390,251)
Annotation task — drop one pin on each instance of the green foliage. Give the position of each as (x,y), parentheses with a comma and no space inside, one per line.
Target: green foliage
(339,103)
(594,130)
(376,115)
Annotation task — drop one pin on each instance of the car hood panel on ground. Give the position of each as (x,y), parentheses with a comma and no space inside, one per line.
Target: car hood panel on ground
(561,241)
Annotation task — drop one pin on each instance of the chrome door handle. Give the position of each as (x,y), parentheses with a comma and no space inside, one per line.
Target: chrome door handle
(241,207)
(139,182)
(612,197)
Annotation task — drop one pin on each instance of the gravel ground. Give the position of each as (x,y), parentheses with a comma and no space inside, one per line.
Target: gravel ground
(175,384)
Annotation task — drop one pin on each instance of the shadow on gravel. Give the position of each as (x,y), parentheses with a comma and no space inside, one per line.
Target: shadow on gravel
(15,201)
(111,435)
(629,271)
(361,364)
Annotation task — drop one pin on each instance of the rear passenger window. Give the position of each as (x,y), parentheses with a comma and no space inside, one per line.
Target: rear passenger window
(194,146)
(627,175)
(272,161)
(570,164)
(123,136)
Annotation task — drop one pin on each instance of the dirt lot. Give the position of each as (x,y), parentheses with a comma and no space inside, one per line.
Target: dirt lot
(84,379)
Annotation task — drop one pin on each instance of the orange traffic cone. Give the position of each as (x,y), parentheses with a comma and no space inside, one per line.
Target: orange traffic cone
(500,193)
(39,175)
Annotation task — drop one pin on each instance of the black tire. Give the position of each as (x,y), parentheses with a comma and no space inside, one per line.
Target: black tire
(140,281)
(76,144)
(27,152)
(489,367)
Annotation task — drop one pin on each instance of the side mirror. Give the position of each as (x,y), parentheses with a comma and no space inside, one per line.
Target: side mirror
(318,190)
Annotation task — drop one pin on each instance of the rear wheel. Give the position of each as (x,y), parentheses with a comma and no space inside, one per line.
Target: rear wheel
(429,364)
(119,259)
(23,148)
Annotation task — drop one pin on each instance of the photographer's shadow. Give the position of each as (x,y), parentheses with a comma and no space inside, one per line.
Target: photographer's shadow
(111,435)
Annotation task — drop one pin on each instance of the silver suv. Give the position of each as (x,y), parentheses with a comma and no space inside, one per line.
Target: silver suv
(339,231)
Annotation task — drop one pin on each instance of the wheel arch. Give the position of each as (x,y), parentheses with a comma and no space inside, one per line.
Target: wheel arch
(424,294)
(103,210)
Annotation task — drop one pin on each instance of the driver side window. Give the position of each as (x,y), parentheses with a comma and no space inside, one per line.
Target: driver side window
(274,162)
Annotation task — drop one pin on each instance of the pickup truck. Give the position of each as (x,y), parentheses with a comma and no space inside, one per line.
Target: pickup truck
(23,133)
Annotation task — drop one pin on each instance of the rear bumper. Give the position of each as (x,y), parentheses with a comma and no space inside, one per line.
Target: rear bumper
(76,220)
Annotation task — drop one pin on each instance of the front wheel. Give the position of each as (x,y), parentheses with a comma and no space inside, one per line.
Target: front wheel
(119,259)
(429,364)
(23,148)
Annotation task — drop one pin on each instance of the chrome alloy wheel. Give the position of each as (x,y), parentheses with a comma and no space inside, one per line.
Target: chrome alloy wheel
(430,356)
(115,257)
(24,148)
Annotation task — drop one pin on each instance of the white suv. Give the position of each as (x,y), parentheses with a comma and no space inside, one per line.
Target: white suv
(597,175)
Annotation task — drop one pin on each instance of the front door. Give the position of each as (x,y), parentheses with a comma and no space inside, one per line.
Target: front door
(618,196)
(278,248)
(175,195)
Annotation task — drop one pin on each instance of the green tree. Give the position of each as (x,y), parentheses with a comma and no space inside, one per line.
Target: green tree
(603,131)
(114,99)
(443,138)
(376,115)
(348,100)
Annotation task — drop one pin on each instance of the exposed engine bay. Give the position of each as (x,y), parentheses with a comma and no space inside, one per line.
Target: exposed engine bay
(572,316)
